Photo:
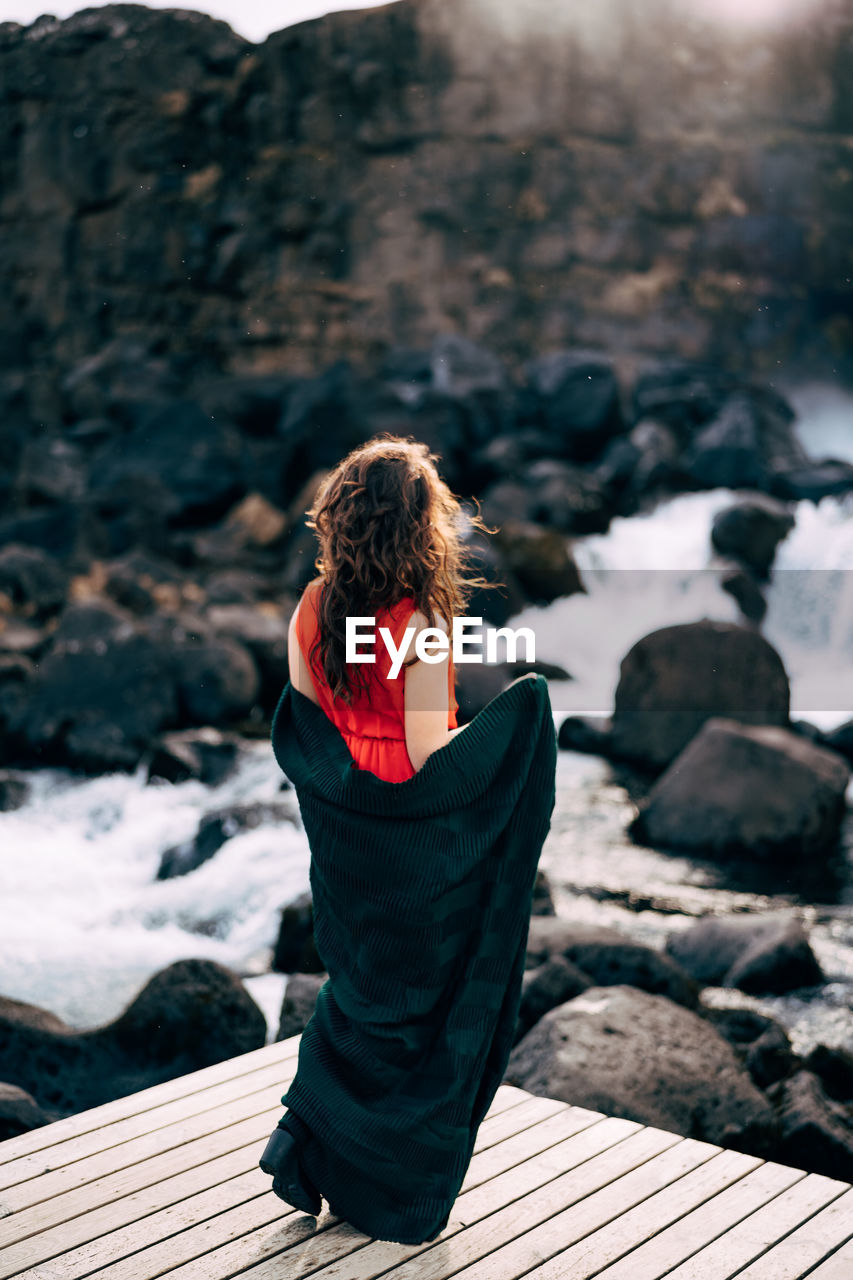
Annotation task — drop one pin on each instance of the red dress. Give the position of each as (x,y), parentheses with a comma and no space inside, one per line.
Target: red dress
(373,726)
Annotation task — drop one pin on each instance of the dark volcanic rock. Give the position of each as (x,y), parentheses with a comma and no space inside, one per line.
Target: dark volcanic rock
(13,792)
(189,1015)
(542,903)
(213,832)
(608,957)
(672,680)
(590,734)
(628,1053)
(32,579)
(300,998)
(548,985)
(834,1066)
(204,754)
(540,559)
(746,789)
(580,401)
(19,1112)
(295,951)
(816,1132)
(841,740)
(766,957)
(751,530)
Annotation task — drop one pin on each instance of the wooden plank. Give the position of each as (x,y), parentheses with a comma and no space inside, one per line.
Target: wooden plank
(198,1237)
(134,1103)
(809,1244)
(640,1224)
(40,1232)
(274,1254)
(517,1248)
(745,1242)
(669,1247)
(274,1078)
(838,1267)
(178,1135)
(476,1240)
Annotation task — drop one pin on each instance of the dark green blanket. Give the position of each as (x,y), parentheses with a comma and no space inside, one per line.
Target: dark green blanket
(422,893)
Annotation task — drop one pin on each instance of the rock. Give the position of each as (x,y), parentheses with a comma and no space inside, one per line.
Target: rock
(813,480)
(743,588)
(256,522)
(746,444)
(566,498)
(19,1112)
(262,629)
(841,740)
(13,792)
(684,394)
(460,367)
(540,559)
(504,595)
(579,395)
(196,462)
(746,789)
(542,903)
(217,681)
(760,1042)
(295,951)
(816,1132)
(834,1066)
(188,1016)
(590,734)
(101,694)
(213,832)
(608,957)
(751,530)
(33,579)
(300,997)
(628,1053)
(765,957)
(673,679)
(205,755)
(545,987)
(657,448)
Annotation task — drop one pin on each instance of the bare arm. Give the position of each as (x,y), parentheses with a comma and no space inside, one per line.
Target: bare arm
(300,676)
(427,701)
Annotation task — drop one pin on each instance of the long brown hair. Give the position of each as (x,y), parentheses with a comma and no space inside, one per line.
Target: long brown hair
(388,527)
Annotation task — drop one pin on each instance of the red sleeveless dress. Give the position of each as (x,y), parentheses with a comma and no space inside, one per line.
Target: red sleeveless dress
(373,726)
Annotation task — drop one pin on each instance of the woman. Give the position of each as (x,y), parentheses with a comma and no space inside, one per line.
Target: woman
(425,838)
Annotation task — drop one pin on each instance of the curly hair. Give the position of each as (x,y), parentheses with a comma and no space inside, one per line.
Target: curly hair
(388,527)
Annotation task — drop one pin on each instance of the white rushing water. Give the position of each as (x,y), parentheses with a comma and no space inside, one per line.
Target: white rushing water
(83,920)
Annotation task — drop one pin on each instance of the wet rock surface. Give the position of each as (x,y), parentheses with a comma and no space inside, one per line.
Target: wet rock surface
(762,956)
(189,1015)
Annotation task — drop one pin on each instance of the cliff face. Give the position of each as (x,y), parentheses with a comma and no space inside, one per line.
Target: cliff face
(634,178)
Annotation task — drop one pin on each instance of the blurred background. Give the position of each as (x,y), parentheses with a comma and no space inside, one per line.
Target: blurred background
(599,258)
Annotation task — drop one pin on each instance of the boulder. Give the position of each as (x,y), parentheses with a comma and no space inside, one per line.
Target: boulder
(814,479)
(566,498)
(673,679)
(300,997)
(628,1053)
(543,988)
(764,957)
(14,791)
(608,957)
(590,734)
(188,1016)
(751,530)
(540,559)
(295,951)
(206,755)
(834,1065)
(761,1043)
(542,903)
(744,590)
(217,681)
(746,789)
(19,1112)
(816,1132)
(213,832)
(262,630)
(840,739)
(580,402)
(33,580)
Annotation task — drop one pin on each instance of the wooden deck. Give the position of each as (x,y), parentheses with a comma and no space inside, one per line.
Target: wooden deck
(165,1183)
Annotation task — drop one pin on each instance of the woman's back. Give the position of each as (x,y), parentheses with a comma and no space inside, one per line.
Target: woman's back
(373,725)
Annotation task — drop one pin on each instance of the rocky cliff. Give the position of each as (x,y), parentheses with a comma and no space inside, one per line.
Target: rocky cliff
(628,176)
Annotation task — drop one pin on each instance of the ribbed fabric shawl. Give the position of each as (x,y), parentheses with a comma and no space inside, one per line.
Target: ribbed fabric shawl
(422,894)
